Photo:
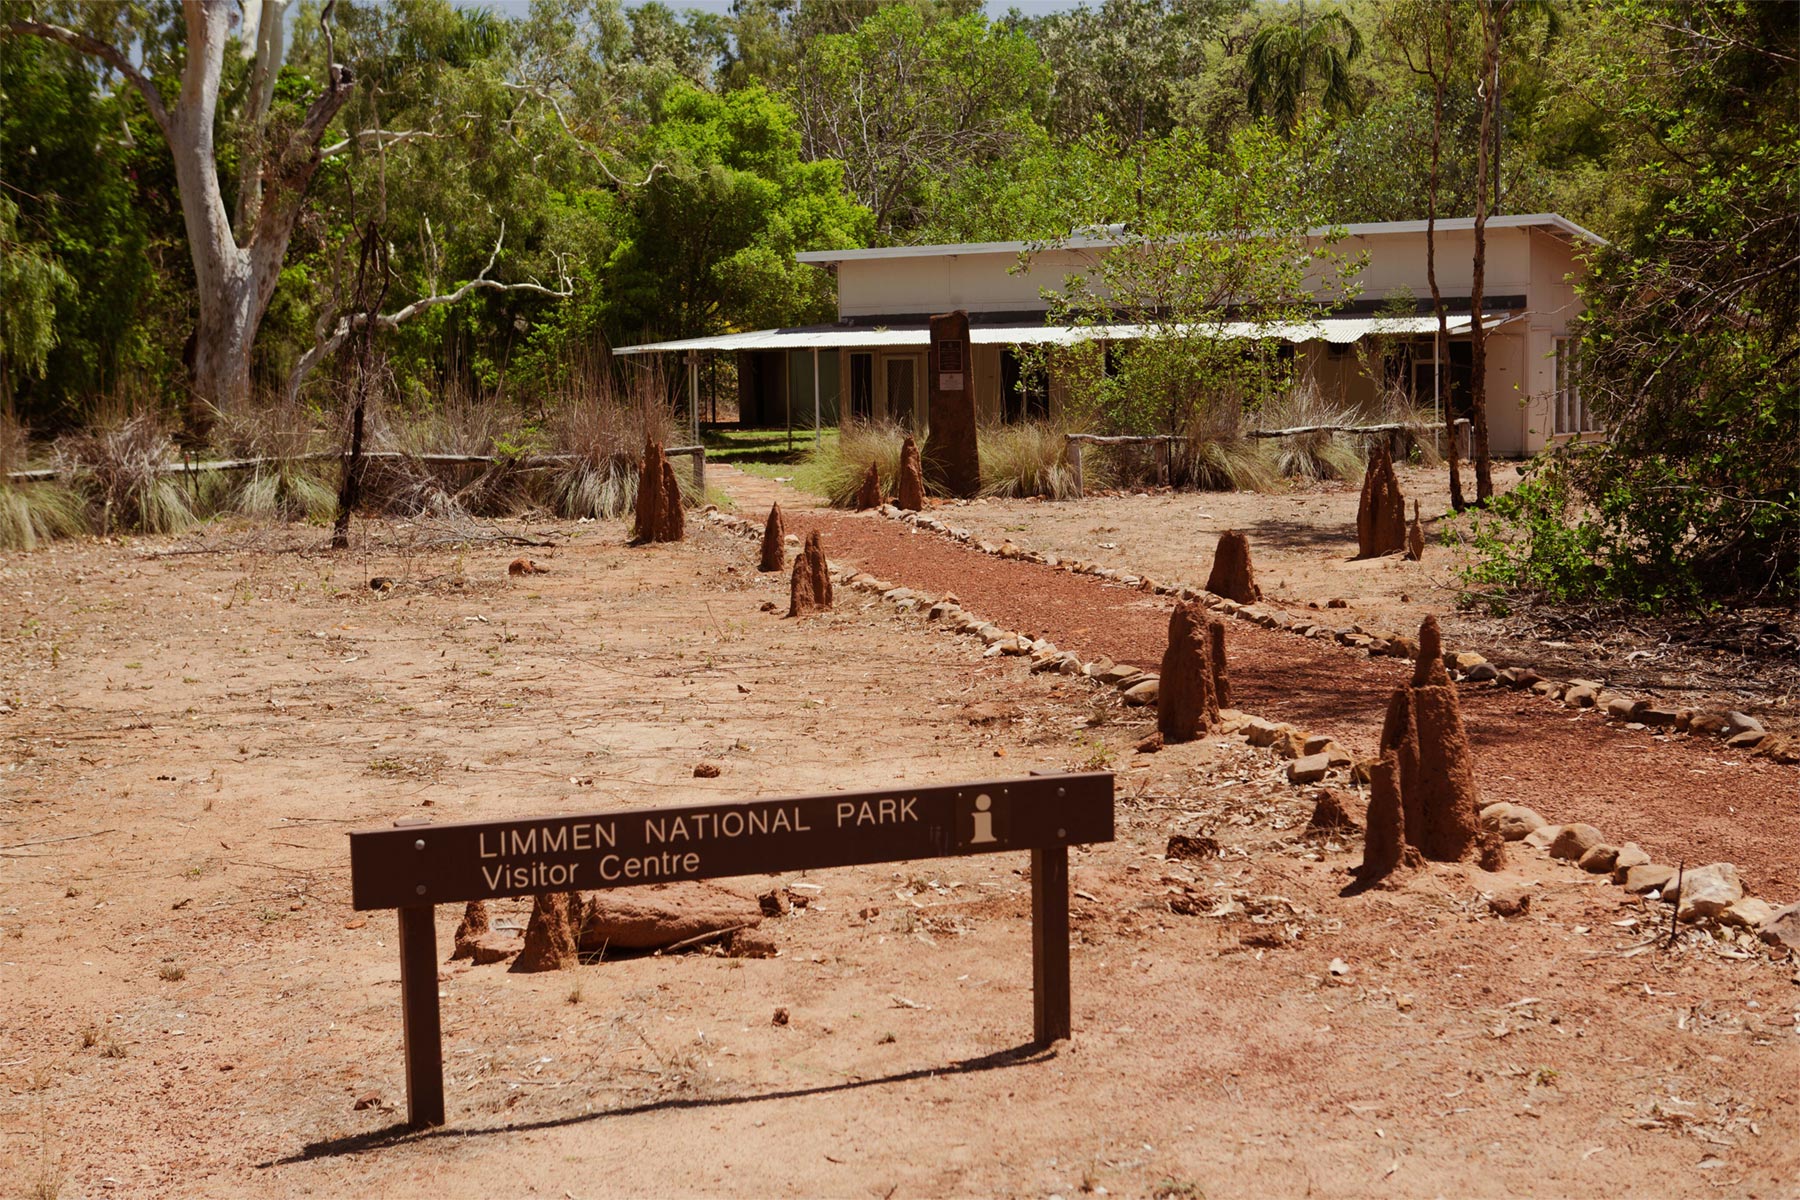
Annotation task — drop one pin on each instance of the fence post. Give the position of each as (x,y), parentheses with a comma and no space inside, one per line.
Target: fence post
(700,473)
(1162,462)
(1075,465)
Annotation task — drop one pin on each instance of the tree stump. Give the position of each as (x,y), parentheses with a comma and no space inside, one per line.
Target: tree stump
(1232,575)
(1381,512)
(909,493)
(774,545)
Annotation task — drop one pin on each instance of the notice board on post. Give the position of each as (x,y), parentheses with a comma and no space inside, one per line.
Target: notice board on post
(414,867)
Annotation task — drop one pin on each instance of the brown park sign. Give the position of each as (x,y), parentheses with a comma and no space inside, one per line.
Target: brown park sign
(415,866)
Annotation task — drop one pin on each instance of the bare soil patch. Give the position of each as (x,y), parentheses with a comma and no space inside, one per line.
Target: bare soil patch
(193,1009)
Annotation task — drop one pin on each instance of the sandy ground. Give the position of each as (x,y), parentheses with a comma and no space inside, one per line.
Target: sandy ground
(193,1009)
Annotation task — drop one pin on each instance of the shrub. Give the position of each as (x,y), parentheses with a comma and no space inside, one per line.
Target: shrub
(32,511)
(600,431)
(1216,456)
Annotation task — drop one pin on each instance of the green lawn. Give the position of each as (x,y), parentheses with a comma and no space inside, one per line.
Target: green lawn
(765,452)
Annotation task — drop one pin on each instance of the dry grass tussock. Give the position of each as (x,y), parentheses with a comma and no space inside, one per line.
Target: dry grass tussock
(836,470)
(36,511)
(119,465)
(290,486)
(1311,456)
(1217,457)
(599,429)
(1030,459)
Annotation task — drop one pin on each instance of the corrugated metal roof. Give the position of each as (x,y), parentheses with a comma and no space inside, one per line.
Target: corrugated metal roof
(1340,330)
(1087,242)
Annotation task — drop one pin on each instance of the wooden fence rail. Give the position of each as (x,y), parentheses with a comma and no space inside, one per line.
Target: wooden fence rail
(1163,441)
(529,462)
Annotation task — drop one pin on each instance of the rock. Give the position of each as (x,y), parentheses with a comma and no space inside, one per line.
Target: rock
(1540,839)
(551,934)
(1710,724)
(1115,675)
(1381,510)
(474,923)
(1706,891)
(1657,718)
(1463,660)
(1510,902)
(1625,708)
(1151,744)
(1190,848)
(1580,696)
(1481,673)
(1316,744)
(1142,694)
(1781,747)
(1742,722)
(774,554)
(1599,859)
(1259,732)
(1782,929)
(774,902)
(1750,912)
(1573,841)
(1290,743)
(1649,877)
(496,946)
(706,770)
(1232,575)
(1630,855)
(1329,815)
(780,1017)
(660,915)
(1513,822)
(751,943)
(909,492)
(1310,769)
(868,494)
(810,589)
(1750,739)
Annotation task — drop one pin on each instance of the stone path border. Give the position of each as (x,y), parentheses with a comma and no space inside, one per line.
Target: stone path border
(1711,895)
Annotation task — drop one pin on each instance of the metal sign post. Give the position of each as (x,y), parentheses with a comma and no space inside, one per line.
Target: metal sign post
(414,867)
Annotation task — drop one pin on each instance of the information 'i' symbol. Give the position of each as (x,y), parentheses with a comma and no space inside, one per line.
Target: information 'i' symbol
(984,820)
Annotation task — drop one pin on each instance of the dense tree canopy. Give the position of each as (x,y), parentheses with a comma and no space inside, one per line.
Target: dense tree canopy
(589,173)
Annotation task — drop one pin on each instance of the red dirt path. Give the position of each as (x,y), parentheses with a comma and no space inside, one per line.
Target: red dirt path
(1681,800)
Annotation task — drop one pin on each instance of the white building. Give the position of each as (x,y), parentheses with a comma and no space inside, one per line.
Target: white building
(871,363)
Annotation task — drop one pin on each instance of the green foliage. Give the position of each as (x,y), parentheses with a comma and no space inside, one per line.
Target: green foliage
(1289,60)
(1534,540)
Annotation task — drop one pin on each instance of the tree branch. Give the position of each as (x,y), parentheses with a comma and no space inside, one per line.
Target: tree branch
(94,48)
(565,287)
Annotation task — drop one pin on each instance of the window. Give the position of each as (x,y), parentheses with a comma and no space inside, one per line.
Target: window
(1572,415)
(862,387)
(1024,393)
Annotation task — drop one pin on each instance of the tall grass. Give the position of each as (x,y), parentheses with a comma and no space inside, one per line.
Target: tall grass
(289,487)
(1312,456)
(32,511)
(119,465)
(599,427)
(1217,457)
(835,470)
(1030,459)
